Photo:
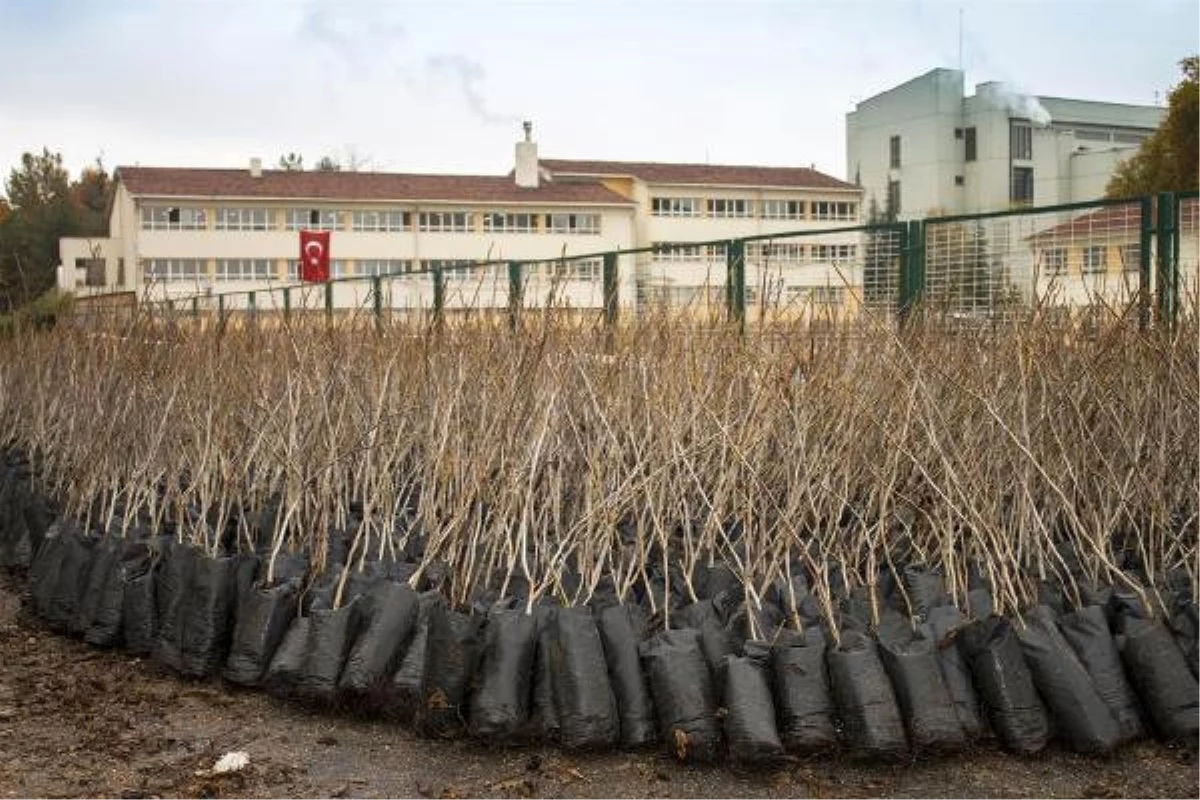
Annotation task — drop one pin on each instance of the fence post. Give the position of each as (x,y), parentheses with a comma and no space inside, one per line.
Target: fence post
(377,300)
(220,314)
(735,282)
(1168,278)
(287,304)
(251,309)
(1145,280)
(912,269)
(516,294)
(439,296)
(329,304)
(611,298)
(195,308)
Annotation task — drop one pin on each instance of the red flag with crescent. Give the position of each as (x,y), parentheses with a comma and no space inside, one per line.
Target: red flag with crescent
(314,256)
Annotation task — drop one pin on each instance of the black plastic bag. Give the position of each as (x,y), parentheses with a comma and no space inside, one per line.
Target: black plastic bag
(622,628)
(942,628)
(72,580)
(139,613)
(1080,716)
(206,623)
(925,702)
(499,706)
(750,721)
(543,713)
(716,640)
(587,712)
(871,721)
(1005,685)
(684,700)
(105,625)
(172,592)
(1159,672)
(388,616)
(330,634)
(263,618)
(803,702)
(925,589)
(1086,630)
(105,555)
(47,563)
(404,689)
(283,672)
(451,655)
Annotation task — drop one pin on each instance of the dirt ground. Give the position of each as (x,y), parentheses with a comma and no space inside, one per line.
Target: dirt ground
(81,722)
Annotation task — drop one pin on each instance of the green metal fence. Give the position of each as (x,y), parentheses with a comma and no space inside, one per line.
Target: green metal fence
(1134,258)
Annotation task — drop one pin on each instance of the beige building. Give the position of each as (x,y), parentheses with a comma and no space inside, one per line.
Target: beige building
(181,232)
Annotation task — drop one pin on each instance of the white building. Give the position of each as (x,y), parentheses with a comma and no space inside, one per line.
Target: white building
(926,147)
(178,232)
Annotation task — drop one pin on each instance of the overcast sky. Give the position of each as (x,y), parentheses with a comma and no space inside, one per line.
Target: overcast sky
(443,86)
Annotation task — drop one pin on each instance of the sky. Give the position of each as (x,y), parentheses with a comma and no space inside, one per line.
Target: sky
(442,87)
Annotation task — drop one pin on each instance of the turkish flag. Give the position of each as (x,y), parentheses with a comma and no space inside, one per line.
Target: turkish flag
(314,256)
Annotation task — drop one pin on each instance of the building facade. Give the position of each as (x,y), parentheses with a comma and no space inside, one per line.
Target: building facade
(927,148)
(177,233)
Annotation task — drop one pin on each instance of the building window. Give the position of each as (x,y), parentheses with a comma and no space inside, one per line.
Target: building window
(172,269)
(832,252)
(241,219)
(509,223)
(588,224)
(1093,259)
(959,180)
(969,143)
(453,269)
(313,219)
(93,269)
(381,221)
(444,221)
(834,211)
(338,268)
(893,199)
(1022,142)
(783,209)
(721,207)
(675,206)
(582,269)
(1055,261)
(1022,184)
(773,252)
(1131,257)
(679,252)
(384,266)
(894,149)
(173,218)
(244,269)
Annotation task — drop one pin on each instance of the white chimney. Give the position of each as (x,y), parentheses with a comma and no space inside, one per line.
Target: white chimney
(256,168)
(527,160)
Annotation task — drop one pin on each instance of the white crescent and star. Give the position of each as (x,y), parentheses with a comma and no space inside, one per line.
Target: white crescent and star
(313,251)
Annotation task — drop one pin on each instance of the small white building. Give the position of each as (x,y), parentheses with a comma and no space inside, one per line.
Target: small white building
(181,232)
(925,147)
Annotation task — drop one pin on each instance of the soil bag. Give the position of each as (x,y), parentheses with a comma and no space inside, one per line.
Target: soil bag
(587,711)
(172,590)
(139,614)
(499,707)
(1159,673)
(207,616)
(716,640)
(105,555)
(1005,685)
(78,552)
(105,623)
(622,628)
(871,721)
(925,702)
(330,634)
(681,685)
(404,689)
(47,563)
(388,615)
(451,653)
(263,617)
(283,673)
(925,590)
(543,713)
(750,723)
(943,627)
(1086,631)
(1080,716)
(803,702)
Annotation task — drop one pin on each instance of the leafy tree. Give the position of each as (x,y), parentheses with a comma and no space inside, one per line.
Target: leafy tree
(327,164)
(292,162)
(1168,160)
(43,205)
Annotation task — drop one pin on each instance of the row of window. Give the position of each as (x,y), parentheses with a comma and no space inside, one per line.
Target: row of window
(755,251)
(738,208)
(262,269)
(1094,259)
(179,218)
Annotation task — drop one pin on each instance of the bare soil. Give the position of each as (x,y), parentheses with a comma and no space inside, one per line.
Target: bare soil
(76,721)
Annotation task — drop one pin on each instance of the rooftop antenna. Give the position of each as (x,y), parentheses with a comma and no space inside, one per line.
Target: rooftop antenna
(528,126)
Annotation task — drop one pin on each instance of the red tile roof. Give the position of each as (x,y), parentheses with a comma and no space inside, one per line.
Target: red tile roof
(355,186)
(1123,220)
(701,174)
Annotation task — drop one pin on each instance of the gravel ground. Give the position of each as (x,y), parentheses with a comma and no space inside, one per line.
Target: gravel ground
(81,722)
